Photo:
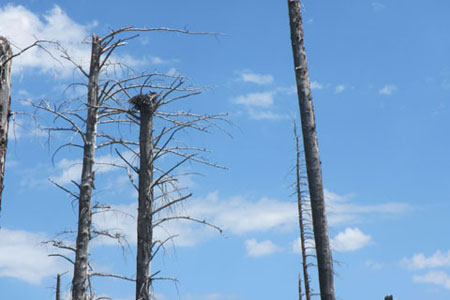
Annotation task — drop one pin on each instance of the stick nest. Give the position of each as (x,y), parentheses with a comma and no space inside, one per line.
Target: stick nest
(143,101)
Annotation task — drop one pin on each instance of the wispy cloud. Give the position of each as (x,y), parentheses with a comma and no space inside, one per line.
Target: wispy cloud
(239,216)
(70,170)
(377,6)
(315,85)
(259,106)
(263,248)
(339,89)
(342,211)
(373,265)
(265,115)
(387,90)
(260,79)
(23,256)
(351,239)
(55,26)
(210,296)
(420,261)
(436,277)
(296,246)
(264,99)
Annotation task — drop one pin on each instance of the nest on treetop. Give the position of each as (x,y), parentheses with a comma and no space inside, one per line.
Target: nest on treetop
(143,100)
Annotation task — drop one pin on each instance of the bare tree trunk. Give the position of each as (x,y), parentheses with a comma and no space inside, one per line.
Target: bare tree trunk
(301,219)
(145,104)
(58,286)
(5,103)
(300,295)
(80,274)
(313,167)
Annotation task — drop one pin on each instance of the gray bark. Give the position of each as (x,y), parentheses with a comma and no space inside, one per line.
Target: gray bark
(300,295)
(5,103)
(146,197)
(80,274)
(58,286)
(301,222)
(313,164)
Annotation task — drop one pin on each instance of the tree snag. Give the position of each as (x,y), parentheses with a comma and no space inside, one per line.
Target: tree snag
(80,274)
(145,105)
(58,287)
(5,103)
(313,165)
(301,218)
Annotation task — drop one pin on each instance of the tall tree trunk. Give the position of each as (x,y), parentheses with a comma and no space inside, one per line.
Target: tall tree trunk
(300,296)
(301,220)
(313,167)
(58,286)
(87,178)
(145,210)
(5,103)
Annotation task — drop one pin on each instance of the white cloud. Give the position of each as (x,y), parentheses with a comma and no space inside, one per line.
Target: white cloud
(158,60)
(238,216)
(341,211)
(435,277)
(265,115)
(373,265)
(258,249)
(351,239)
(55,25)
(259,106)
(315,85)
(387,90)
(70,170)
(339,89)
(264,99)
(309,244)
(23,256)
(260,79)
(211,296)
(420,261)
(20,127)
(377,6)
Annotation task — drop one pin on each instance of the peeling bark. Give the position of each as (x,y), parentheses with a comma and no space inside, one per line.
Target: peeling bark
(313,164)
(5,103)
(80,275)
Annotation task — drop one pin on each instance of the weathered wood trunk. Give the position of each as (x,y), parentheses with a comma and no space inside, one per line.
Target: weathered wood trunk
(58,286)
(301,221)
(80,275)
(5,103)
(300,294)
(313,165)
(145,210)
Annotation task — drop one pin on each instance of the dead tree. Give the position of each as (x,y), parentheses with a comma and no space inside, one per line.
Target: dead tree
(58,287)
(145,105)
(109,84)
(5,103)
(311,149)
(158,189)
(80,273)
(303,211)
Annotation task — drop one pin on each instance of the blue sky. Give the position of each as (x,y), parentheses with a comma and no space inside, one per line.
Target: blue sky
(380,73)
